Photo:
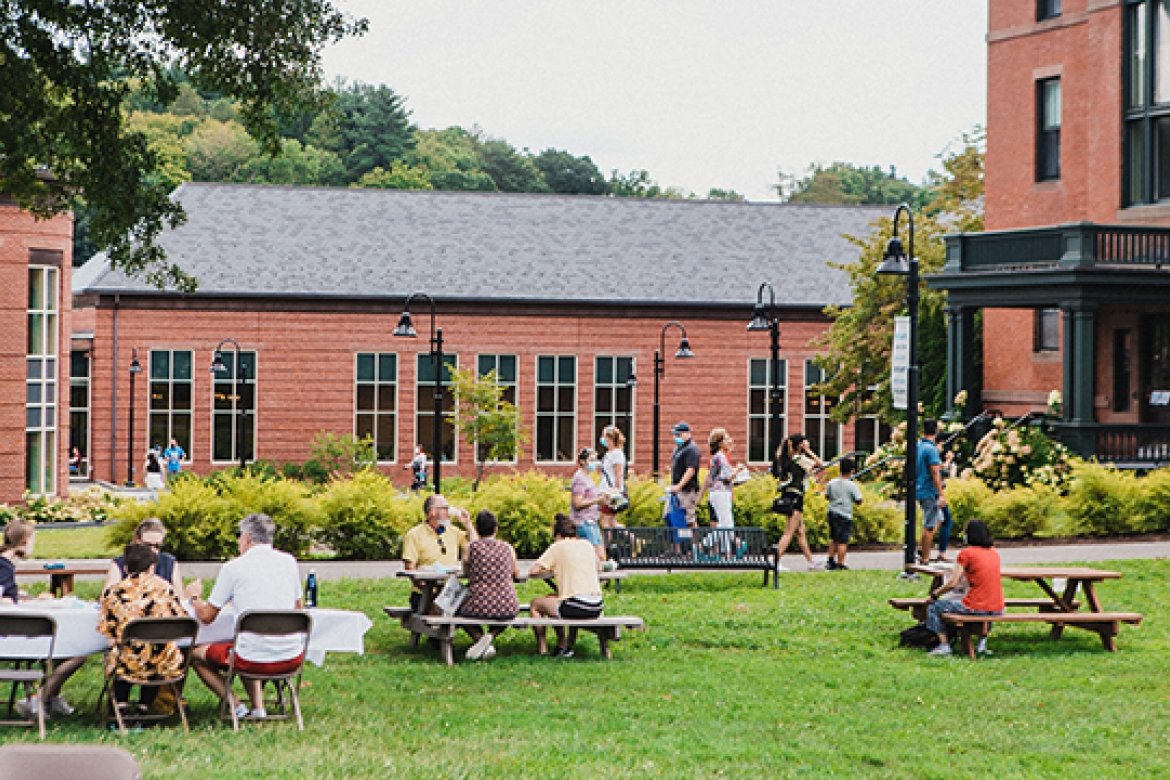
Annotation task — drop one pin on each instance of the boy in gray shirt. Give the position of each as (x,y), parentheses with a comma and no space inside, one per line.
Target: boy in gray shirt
(842,493)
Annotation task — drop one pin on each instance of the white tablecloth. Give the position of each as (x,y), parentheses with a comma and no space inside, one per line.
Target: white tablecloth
(334,631)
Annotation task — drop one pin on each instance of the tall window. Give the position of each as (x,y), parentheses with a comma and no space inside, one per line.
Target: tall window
(1047,9)
(170,398)
(504,367)
(613,398)
(40,425)
(424,415)
(228,436)
(79,412)
(1046,330)
(376,402)
(556,408)
(822,431)
(1048,129)
(869,432)
(1147,111)
(759,415)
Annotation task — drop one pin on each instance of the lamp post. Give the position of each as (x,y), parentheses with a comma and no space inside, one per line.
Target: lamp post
(764,318)
(405,329)
(896,262)
(135,370)
(684,351)
(631,383)
(241,381)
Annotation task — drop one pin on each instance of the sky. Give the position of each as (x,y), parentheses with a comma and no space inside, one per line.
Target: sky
(701,93)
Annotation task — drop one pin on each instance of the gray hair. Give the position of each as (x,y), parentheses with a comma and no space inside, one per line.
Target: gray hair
(260,527)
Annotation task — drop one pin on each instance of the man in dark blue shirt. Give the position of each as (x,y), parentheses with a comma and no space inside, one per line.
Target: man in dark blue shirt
(684,471)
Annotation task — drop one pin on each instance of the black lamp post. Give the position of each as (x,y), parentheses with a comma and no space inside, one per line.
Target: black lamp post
(684,351)
(895,261)
(135,370)
(219,367)
(405,329)
(631,383)
(764,318)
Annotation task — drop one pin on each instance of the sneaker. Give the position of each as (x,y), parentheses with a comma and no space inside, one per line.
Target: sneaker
(943,649)
(478,650)
(782,567)
(562,652)
(259,713)
(490,653)
(830,565)
(842,567)
(241,711)
(28,707)
(816,566)
(59,705)
(609,566)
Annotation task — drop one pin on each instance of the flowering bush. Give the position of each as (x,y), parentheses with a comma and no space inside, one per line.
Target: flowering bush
(1008,457)
(89,506)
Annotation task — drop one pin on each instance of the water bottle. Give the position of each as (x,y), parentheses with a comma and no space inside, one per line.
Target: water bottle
(311,589)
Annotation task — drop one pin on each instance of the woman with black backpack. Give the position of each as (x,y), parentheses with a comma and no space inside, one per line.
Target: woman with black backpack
(796,462)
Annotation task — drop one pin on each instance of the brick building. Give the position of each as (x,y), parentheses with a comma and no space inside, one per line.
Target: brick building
(35,261)
(564,297)
(1072,273)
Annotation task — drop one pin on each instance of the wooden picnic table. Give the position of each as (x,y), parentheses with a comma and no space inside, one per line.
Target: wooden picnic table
(61,573)
(1045,577)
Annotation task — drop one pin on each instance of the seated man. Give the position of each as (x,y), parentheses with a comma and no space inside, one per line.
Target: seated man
(574,566)
(435,540)
(260,579)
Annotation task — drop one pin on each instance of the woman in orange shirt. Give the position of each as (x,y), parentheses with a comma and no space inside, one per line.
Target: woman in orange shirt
(979,564)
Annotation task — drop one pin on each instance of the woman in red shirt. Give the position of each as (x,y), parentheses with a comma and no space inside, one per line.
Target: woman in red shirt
(979,564)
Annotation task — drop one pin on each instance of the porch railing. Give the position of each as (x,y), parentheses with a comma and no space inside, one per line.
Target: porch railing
(1139,445)
(1072,246)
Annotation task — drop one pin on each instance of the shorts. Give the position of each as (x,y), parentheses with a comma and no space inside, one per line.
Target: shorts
(840,528)
(932,513)
(687,500)
(218,653)
(580,608)
(590,532)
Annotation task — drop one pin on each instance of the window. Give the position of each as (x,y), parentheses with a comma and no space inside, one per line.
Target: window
(824,433)
(759,416)
(504,367)
(170,398)
(424,415)
(1047,9)
(869,432)
(376,402)
(40,423)
(556,408)
(233,410)
(613,398)
(1046,330)
(79,413)
(1147,112)
(1048,130)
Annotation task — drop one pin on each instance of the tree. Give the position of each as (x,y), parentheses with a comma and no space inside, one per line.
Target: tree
(716,193)
(846,183)
(69,66)
(483,416)
(859,341)
(638,184)
(218,151)
(510,169)
(373,126)
(296,165)
(452,158)
(399,177)
(568,174)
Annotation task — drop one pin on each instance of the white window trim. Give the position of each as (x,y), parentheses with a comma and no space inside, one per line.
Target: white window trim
(767,416)
(819,446)
(51,308)
(633,403)
(88,415)
(170,410)
(497,355)
(397,399)
(536,414)
(454,412)
(255,383)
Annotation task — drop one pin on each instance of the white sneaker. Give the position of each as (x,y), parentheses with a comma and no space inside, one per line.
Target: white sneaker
(816,566)
(258,714)
(28,707)
(943,649)
(782,567)
(479,650)
(490,653)
(609,566)
(241,711)
(59,705)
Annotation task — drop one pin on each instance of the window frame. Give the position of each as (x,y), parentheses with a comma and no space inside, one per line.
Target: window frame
(822,416)
(418,384)
(170,410)
(556,414)
(76,381)
(255,383)
(1142,115)
(48,383)
(1047,9)
(377,383)
(614,415)
(1040,342)
(515,385)
(1048,151)
(766,416)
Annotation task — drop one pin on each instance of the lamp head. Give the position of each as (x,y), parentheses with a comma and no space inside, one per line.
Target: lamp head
(760,318)
(217,364)
(631,381)
(684,349)
(135,366)
(405,327)
(894,260)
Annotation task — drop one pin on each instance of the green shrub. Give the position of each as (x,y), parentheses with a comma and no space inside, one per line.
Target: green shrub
(1103,501)
(525,504)
(1153,503)
(645,503)
(1021,512)
(364,518)
(968,499)
(877,520)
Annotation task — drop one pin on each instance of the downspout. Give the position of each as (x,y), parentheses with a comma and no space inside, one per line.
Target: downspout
(114,398)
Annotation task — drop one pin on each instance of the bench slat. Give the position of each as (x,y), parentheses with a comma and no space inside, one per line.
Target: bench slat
(907,603)
(1047,617)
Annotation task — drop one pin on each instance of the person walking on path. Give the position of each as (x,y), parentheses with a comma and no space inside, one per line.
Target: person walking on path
(948,521)
(613,473)
(720,478)
(418,469)
(585,501)
(154,471)
(796,464)
(174,455)
(843,493)
(928,489)
(684,471)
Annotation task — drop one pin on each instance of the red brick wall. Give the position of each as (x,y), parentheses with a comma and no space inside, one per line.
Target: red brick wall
(305,368)
(20,233)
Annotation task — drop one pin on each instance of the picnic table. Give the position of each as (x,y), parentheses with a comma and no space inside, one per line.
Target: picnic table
(61,573)
(1058,605)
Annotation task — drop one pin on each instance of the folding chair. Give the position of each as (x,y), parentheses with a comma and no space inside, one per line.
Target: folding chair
(155,632)
(29,672)
(271,624)
(67,762)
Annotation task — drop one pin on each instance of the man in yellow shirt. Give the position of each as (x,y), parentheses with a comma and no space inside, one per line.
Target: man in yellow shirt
(437,539)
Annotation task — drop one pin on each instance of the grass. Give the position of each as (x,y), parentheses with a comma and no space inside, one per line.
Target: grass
(731,679)
(73,543)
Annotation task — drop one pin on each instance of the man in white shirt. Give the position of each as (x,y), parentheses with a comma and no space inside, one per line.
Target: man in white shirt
(261,578)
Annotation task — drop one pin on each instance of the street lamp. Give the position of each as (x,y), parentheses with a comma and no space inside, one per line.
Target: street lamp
(135,370)
(896,262)
(631,383)
(684,351)
(405,329)
(764,318)
(219,367)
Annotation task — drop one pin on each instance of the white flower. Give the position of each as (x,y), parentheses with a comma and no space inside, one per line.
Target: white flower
(961,398)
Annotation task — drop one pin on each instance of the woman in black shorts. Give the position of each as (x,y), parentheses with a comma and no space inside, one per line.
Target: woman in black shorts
(574,565)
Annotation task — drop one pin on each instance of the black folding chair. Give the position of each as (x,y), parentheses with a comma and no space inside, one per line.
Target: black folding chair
(156,632)
(272,624)
(27,672)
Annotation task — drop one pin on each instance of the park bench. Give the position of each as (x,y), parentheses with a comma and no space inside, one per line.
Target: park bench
(693,548)
(917,606)
(1105,624)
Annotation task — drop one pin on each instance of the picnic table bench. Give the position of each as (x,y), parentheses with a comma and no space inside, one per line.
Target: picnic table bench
(693,549)
(62,573)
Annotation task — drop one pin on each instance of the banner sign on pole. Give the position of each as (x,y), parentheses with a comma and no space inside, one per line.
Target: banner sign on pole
(900,362)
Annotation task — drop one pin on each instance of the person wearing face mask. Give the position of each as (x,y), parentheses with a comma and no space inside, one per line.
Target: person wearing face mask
(684,471)
(613,472)
(584,504)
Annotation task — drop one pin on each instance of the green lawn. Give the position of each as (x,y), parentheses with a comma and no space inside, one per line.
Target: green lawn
(73,543)
(731,679)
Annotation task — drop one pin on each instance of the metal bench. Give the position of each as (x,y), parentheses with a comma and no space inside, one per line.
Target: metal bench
(1105,624)
(693,548)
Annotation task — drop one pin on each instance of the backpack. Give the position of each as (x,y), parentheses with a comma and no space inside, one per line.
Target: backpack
(918,636)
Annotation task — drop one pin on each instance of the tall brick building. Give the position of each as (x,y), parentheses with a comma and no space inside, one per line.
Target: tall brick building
(1073,273)
(564,297)
(35,262)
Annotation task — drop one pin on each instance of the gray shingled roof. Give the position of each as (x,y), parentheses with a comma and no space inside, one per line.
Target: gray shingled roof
(361,243)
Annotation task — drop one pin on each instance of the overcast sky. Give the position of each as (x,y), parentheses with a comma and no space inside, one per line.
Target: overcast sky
(702,93)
